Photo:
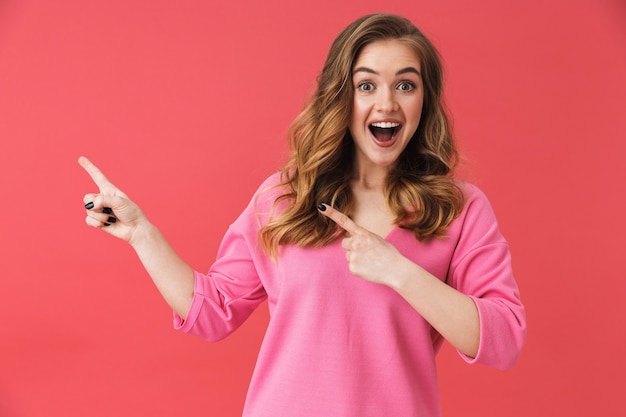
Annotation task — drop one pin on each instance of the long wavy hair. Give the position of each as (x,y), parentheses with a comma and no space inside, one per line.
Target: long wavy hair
(420,189)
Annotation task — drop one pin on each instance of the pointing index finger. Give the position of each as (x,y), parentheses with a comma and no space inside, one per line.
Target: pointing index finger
(94,172)
(341,219)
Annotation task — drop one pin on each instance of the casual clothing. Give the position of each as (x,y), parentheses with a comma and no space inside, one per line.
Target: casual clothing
(338,345)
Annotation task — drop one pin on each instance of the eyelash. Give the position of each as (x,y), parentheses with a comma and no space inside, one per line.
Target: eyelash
(363,84)
(408,83)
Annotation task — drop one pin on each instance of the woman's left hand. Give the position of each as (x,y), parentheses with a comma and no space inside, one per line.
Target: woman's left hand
(369,256)
(450,312)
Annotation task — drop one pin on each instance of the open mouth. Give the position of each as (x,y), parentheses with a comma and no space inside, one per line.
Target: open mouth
(384,131)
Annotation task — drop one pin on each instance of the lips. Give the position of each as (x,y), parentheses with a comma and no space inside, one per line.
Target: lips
(385,133)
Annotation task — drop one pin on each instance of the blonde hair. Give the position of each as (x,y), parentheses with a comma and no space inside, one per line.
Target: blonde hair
(420,189)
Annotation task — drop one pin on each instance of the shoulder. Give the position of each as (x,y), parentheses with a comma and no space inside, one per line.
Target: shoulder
(264,202)
(475,199)
(271,181)
(478,218)
(269,191)
(470,191)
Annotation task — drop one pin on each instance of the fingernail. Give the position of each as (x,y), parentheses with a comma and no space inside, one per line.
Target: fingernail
(111,220)
(321,207)
(106,224)
(107,210)
(89,205)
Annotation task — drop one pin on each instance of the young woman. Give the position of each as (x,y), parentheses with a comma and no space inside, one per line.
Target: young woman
(368,251)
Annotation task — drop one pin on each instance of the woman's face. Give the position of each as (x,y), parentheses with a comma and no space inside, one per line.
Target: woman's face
(388,98)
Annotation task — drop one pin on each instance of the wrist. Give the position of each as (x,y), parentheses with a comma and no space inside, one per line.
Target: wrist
(406,274)
(142,233)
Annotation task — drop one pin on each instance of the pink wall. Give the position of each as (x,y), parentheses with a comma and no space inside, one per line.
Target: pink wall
(185,106)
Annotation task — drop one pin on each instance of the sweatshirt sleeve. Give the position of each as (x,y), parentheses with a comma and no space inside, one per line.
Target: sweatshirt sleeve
(481,268)
(231,290)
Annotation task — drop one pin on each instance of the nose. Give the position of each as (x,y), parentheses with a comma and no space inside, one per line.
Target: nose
(386,101)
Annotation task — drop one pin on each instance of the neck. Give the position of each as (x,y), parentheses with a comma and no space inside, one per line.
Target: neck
(371,179)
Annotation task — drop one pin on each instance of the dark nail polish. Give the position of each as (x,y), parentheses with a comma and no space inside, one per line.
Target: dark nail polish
(111,220)
(106,224)
(107,210)
(321,207)
(89,205)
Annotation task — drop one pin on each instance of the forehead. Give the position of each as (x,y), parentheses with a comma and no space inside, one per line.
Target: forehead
(387,53)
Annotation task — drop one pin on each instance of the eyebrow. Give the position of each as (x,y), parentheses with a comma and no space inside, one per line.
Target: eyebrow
(399,72)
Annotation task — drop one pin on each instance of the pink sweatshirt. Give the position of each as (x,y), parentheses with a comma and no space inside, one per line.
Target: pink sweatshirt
(337,345)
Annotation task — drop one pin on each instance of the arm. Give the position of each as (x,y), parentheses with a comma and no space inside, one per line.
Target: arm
(478,309)
(481,268)
(112,211)
(452,313)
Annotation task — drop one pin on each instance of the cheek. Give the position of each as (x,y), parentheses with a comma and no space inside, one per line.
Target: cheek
(414,109)
(359,113)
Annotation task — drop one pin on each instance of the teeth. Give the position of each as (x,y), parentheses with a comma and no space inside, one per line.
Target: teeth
(385,125)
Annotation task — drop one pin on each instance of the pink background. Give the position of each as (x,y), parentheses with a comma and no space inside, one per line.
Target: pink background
(185,106)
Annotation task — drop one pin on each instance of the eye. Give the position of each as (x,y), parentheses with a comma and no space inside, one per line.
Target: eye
(365,86)
(406,86)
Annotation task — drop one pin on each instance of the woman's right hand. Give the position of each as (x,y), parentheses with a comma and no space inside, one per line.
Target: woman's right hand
(110,209)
